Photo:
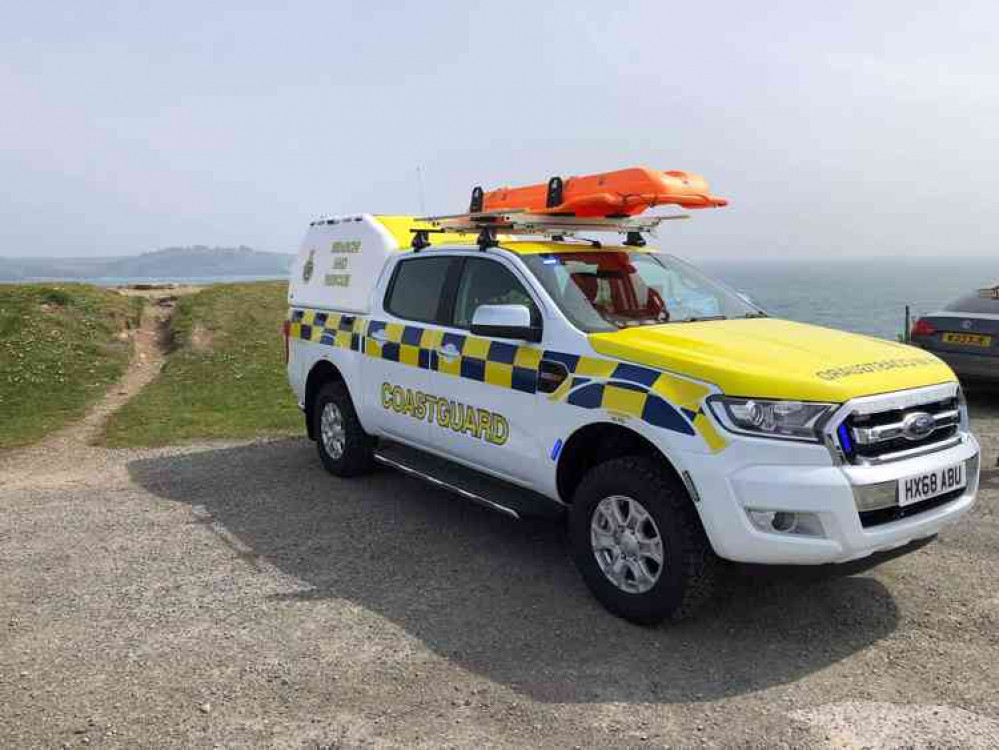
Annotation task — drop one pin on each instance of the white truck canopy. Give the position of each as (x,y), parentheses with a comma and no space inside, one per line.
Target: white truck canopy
(342,256)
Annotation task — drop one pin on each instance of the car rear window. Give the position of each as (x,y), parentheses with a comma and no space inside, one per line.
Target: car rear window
(417,289)
(974,303)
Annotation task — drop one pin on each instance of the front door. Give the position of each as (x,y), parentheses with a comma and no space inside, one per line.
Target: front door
(485,387)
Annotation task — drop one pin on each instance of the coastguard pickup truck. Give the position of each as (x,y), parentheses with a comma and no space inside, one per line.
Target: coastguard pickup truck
(499,355)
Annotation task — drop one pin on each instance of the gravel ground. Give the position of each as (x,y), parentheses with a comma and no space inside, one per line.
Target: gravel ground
(235,595)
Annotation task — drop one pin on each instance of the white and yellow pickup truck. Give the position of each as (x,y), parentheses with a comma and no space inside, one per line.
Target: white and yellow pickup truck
(669,419)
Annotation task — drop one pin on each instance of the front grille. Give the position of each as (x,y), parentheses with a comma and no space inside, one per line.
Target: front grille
(880,436)
(897,513)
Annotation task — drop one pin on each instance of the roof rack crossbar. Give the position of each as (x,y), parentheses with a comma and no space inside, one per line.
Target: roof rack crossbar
(421,238)
(634,239)
(487,239)
(518,222)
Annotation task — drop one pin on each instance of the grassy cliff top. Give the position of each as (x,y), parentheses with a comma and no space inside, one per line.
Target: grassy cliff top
(225,376)
(61,347)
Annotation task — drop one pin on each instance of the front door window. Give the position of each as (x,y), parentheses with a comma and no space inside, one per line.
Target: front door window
(486,282)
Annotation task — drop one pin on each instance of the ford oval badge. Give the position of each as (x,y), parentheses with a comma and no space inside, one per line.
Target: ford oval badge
(918,425)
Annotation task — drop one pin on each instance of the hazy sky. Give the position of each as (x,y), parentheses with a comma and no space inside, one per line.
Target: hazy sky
(834,127)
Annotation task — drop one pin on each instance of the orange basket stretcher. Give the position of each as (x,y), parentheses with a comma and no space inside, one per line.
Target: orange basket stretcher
(624,192)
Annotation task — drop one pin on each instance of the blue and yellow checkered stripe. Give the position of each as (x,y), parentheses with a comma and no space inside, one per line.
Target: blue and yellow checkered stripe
(330,329)
(663,400)
(493,362)
(658,398)
(407,345)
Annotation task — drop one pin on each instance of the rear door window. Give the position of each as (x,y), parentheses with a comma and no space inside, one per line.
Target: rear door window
(417,289)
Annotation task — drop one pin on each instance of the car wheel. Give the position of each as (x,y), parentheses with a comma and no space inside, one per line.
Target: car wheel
(345,449)
(638,541)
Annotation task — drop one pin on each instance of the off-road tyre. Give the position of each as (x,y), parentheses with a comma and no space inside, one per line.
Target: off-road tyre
(690,567)
(358,446)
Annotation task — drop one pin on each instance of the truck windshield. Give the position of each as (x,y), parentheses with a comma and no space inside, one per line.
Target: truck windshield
(602,290)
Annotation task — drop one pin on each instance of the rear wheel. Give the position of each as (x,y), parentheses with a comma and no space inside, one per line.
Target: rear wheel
(345,449)
(638,542)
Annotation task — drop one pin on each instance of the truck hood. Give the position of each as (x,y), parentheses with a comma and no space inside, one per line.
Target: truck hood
(772,358)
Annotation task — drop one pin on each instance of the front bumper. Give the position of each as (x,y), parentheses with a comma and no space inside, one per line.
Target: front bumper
(777,476)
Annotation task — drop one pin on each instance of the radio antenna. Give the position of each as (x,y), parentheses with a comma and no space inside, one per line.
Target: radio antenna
(419,188)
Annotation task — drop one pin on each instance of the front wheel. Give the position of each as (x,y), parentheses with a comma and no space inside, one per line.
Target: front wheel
(345,449)
(638,542)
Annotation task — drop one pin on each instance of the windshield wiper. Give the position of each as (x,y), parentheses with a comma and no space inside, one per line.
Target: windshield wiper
(702,319)
(759,314)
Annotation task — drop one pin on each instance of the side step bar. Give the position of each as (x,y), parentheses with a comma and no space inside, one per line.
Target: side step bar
(398,465)
(482,489)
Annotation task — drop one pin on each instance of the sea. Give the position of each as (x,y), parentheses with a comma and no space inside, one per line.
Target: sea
(861,295)
(858,295)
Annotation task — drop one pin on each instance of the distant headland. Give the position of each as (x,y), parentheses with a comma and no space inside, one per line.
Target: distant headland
(195,262)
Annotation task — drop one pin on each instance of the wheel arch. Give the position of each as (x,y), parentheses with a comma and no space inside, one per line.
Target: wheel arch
(597,442)
(322,372)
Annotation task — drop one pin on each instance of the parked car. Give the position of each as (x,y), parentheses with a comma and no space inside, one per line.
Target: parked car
(965,335)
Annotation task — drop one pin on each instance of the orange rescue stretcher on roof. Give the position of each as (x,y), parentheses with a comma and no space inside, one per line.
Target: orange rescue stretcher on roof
(624,192)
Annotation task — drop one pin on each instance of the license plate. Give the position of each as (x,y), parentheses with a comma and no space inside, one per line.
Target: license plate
(931,484)
(967,339)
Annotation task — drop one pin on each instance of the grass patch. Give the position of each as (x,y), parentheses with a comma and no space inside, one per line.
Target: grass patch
(225,377)
(60,349)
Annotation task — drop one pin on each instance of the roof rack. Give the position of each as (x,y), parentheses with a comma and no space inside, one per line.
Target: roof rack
(605,202)
(489,224)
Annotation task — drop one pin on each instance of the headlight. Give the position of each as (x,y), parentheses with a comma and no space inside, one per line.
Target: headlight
(962,409)
(786,420)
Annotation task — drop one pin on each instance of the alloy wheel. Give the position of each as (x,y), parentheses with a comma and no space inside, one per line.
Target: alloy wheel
(627,544)
(334,435)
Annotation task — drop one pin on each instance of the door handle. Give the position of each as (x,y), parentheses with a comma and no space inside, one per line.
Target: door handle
(380,335)
(449,352)
(551,375)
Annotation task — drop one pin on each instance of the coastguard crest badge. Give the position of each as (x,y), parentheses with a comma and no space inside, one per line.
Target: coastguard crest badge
(309,267)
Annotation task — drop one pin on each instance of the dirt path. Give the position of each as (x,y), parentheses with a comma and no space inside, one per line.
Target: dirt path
(149,343)
(75,444)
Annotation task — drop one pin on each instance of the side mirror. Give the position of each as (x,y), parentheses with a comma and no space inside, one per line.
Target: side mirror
(505,322)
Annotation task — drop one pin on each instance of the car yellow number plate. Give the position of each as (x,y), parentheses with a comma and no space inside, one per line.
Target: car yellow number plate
(968,339)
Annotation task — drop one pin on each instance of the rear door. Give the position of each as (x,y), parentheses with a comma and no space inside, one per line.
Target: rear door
(487,406)
(398,352)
